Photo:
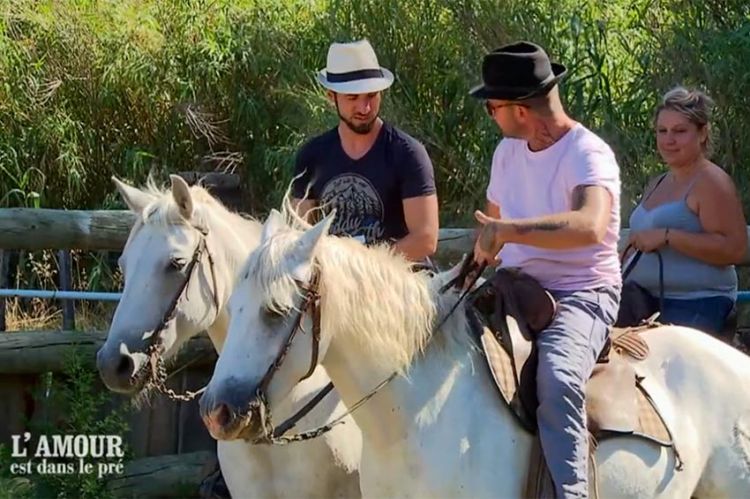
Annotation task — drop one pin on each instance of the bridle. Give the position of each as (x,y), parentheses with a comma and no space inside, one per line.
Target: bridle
(155,350)
(311,305)
(275,435)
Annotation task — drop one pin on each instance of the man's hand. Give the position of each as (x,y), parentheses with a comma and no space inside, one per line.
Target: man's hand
(490,241)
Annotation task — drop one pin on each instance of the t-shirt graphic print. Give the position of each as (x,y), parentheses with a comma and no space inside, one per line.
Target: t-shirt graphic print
(358,206)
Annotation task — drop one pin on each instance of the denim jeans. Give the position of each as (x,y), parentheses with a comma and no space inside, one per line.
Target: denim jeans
(568,350)
(706,314)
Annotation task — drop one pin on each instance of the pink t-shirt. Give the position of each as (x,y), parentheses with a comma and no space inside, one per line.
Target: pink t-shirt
(526,184)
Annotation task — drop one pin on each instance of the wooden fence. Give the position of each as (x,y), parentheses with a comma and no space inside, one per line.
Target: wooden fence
(25,355)
(172,449)
(38,229)
(162,433)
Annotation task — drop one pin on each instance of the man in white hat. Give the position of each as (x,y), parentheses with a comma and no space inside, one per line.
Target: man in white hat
(379,179)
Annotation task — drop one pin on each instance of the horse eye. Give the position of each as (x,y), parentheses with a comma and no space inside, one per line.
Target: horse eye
(273,314)
(177,263)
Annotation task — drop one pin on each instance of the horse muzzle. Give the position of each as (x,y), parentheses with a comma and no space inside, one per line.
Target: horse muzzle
(122,371)
(226,418)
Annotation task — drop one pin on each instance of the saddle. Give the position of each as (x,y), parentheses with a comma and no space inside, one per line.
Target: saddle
(507,313)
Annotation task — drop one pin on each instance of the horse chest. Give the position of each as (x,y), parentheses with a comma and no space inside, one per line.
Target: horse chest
(433,464)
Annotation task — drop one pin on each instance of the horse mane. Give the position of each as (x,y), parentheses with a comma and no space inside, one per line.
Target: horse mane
(370,293)
(163,210)
(208,211)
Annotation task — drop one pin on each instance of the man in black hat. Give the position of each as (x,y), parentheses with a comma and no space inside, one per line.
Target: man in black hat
(553,210)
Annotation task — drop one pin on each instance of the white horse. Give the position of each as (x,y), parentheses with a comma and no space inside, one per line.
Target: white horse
(440,428)
(161,244)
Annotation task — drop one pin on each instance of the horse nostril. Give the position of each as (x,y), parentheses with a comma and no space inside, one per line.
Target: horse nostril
(223,415)
(125,367)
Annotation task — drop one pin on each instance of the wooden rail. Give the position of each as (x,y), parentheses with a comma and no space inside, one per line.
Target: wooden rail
(36,229)
(33,352)
(455,242)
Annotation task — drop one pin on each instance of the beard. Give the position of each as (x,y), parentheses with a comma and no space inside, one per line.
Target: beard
(361,128)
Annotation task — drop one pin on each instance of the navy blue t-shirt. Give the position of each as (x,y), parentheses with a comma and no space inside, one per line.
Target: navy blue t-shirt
(367,192)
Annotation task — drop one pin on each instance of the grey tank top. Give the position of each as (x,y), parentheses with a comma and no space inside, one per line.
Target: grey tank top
(684,276)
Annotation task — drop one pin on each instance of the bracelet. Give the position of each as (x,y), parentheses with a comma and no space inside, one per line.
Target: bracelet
(666,237)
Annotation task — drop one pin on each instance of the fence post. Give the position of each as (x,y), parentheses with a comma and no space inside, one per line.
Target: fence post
(4,261)
(68,306)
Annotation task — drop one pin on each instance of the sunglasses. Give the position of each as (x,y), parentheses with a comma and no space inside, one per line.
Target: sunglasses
(491,109)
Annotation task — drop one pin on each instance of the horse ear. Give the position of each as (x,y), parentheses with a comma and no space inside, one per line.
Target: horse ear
(312,236)
(306,245)
(453,272)
(181,195)
(272,225)
(134,198)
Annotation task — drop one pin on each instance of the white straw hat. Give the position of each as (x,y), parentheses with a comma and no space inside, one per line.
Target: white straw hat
(352,68)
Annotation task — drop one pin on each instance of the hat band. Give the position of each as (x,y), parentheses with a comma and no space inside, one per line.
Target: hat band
(361,74)
(505,88)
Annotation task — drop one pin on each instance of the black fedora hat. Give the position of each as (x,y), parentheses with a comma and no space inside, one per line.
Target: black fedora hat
(517,71)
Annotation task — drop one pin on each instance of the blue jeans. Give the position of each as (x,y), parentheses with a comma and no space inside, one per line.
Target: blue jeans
(568,350)
(706,314)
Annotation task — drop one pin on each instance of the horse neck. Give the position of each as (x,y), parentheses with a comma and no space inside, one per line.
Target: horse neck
(388,417)
(445,385)
(446,396)
(231,239)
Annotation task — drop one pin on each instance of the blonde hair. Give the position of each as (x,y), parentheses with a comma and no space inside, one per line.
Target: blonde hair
(369,293)
(693,104)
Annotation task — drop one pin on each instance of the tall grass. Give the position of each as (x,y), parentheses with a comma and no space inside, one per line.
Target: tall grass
(90,89)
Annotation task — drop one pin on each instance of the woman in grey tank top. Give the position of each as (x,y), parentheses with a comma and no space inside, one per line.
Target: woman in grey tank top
(692,216)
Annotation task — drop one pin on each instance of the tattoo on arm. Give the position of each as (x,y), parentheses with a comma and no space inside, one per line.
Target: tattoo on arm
(543,226)
(580,196)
